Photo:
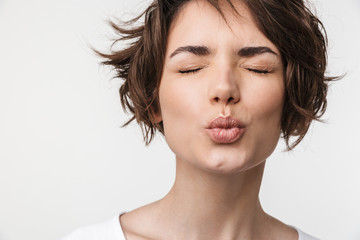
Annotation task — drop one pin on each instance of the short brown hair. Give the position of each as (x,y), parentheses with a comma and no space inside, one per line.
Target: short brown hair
(289,24)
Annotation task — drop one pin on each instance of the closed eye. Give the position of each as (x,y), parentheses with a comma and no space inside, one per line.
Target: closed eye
(249,69)
(189,70)
(258,71)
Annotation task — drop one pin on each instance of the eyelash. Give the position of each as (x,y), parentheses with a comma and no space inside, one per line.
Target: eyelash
(249,69)
(258,71)
(189,71)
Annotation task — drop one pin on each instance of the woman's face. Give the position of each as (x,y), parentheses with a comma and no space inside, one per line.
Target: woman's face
(221,94)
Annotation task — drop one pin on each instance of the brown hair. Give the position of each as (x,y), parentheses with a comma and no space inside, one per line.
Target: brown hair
(289,24)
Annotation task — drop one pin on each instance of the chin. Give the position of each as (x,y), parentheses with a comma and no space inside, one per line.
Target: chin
(227,163)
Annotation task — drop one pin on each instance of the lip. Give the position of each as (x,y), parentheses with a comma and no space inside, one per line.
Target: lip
(225,129)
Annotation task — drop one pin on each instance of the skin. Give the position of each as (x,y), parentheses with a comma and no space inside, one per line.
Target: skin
(215,194)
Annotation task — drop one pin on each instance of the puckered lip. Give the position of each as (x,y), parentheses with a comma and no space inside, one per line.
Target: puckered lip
(225,122)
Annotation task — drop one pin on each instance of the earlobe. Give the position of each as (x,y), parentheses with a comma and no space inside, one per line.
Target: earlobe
(157,117)
(156,111)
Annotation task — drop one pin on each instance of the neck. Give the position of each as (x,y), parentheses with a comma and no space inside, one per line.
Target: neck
(214,206)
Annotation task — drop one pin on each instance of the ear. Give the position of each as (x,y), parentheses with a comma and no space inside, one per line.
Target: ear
(158,117)
(157,114)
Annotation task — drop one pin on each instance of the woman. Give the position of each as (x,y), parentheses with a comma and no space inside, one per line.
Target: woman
(222,80)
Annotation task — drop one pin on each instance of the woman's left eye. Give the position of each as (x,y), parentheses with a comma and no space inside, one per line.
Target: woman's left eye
(258,71)
(189,70)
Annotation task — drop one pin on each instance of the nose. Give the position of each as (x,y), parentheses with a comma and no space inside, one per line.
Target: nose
(224,88)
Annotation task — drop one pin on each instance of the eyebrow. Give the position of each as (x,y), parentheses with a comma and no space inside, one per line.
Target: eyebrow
(204,51)
(196,50)
(252,51)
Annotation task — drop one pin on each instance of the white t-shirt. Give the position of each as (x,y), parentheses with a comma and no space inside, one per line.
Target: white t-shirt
(111,230)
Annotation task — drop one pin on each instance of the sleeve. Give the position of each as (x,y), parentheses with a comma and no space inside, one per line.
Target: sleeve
(109,230)
(304,236)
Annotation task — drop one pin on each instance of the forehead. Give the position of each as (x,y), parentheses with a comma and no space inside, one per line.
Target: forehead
(198,22)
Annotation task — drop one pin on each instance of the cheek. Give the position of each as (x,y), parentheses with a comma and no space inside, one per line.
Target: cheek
(179,108)
(265,105)
(265,100)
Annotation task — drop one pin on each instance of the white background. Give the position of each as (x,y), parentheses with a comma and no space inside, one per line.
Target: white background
(65,162)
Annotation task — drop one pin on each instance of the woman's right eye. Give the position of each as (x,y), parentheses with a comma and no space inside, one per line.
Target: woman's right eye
(189,71)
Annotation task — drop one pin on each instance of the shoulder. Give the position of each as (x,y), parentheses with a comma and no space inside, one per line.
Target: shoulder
(107,230)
